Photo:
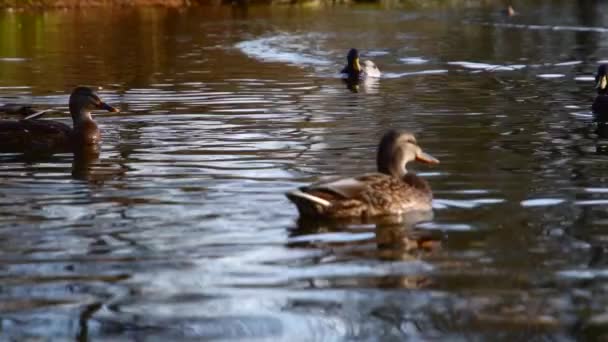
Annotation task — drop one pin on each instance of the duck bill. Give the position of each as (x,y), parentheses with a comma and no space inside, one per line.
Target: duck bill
(426,158)
(602,83)
(357,65)
(109,108)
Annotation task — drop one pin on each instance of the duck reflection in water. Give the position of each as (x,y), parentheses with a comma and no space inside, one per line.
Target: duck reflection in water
(87,166)
(366,86)
(384,239)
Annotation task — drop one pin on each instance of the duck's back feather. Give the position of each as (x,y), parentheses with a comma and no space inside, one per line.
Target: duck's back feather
(16,109)
(370,69)
(373,194)
(18,136)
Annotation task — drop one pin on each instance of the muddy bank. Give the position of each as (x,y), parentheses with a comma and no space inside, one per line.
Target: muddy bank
(50,4)
(26,4)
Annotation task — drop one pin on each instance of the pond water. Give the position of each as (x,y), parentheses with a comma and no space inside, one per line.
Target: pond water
(180,230)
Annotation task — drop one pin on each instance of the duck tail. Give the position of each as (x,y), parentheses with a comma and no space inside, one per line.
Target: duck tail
(308,204)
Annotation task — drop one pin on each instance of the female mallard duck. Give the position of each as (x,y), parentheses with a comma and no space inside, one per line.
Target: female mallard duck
(29,135)
(17,109)
(390,191)
(354,69)
(600,104)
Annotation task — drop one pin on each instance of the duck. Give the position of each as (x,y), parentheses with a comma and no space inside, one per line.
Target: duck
(509,11)
(600,104)
(32,135)
(354,70)
(17,109)
(26,111)
(390,191)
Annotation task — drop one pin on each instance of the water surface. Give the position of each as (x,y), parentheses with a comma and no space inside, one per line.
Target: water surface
(180,229)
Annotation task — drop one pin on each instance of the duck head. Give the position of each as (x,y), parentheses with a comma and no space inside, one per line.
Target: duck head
(396,149)
(83,101)
(601,79)
(353,60)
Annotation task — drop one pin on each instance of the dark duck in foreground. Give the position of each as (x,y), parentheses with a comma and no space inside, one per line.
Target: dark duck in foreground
(354,70)
(390,191)
(29,135)
(600,104)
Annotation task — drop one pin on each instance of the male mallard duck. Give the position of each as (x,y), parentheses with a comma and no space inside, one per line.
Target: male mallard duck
(600,104)
(45,135)
(354,69)
(390,191)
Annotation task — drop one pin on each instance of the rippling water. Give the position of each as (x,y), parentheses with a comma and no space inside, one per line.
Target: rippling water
(180,229)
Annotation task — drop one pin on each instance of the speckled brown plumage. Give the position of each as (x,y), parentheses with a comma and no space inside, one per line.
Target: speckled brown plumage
(391,191)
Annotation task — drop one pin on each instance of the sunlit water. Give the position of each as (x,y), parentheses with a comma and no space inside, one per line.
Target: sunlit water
(181,230)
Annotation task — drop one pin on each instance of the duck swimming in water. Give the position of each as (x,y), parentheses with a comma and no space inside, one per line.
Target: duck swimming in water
(354,70)
(509,11)
(390,191)
(17,109)
(30,135)
(600,104)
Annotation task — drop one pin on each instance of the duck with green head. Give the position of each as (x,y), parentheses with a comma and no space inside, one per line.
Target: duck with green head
(600,104)
(390,191)
(29,135)
(355,70)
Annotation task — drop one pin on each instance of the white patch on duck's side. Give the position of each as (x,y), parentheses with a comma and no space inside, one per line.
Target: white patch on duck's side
(370,69)
(37,114)
(310,197)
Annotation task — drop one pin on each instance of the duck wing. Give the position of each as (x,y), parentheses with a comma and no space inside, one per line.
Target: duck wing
(374,194)
(370,69)
(33,135)
(344,188)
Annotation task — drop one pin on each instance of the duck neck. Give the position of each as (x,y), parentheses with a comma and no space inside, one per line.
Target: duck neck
(394,168)
(398,170)
(81,118)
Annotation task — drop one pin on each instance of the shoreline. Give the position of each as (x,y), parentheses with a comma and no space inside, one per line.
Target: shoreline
(58,4)
(20,5)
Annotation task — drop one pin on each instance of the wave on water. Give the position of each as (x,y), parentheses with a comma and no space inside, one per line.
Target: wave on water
(550,76)
(285,48)
(548,27)
(414,60)
(414,73)
(487,67)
